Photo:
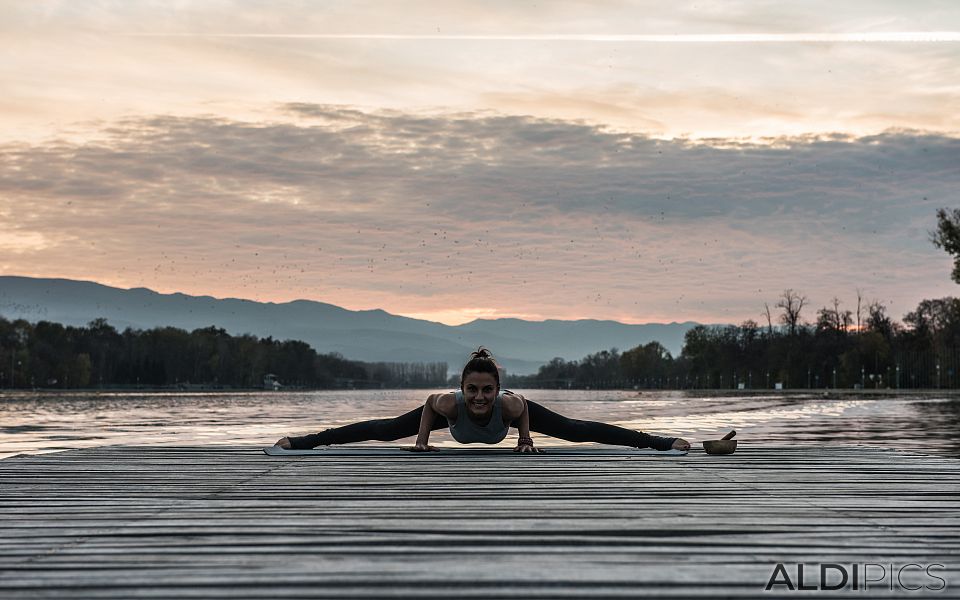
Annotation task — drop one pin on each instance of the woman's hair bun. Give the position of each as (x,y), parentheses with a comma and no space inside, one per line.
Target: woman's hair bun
(481,352)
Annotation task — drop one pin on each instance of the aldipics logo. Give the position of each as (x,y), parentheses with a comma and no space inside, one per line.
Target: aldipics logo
(910,577)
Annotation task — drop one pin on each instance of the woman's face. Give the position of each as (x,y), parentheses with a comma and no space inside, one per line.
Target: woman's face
(479,392)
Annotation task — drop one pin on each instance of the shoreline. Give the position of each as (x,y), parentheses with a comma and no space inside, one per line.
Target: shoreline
(829,393)
(821,392)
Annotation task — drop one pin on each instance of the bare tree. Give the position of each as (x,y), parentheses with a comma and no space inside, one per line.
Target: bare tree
(836,314)
(828,320)
(748,333)
(766,310)
(792,303)
(878,320)
(859,307)
(844,318)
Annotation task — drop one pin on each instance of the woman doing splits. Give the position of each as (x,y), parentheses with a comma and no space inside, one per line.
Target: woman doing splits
(480,412)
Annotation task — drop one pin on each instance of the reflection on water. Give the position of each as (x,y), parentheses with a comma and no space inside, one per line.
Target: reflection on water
(36,422)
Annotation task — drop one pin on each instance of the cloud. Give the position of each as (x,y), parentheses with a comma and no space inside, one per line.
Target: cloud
(97,60)
(435,213)
(464,16)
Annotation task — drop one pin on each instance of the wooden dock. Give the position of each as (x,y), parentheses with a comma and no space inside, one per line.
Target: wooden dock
(226,522)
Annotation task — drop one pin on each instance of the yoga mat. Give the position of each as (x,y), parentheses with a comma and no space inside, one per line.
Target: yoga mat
(399,451)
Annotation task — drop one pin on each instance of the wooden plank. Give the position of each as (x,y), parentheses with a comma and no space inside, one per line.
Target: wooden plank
(120,522)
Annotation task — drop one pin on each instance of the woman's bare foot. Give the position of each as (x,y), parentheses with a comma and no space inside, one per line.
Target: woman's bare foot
(283,443)
(680,444)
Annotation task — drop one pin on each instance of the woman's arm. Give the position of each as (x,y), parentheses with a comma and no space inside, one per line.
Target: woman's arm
(426,425)
(436,404)
(514,404)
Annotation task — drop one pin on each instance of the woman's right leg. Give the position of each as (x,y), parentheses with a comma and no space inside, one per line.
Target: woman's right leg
(383,430)
(543,420)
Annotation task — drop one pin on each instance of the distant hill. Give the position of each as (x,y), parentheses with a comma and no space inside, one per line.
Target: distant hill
(369,335)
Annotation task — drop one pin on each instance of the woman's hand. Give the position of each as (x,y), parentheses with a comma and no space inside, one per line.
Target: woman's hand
(525,445)
(284,443)
(423,448)
(680,444)
(527,448)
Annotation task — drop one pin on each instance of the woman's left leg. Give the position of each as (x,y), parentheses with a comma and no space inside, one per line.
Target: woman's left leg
(544,420)
(384,430)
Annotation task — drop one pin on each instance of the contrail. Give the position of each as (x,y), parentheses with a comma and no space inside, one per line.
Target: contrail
(703,38)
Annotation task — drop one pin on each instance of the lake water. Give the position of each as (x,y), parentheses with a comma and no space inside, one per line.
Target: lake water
(41,422)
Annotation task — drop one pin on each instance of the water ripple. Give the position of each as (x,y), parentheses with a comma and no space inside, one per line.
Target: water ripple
(41,422)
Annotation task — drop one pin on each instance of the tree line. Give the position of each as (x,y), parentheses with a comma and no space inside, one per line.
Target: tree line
(52,355)
(840,349)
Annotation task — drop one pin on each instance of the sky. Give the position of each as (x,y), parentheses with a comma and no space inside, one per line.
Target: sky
(456,160)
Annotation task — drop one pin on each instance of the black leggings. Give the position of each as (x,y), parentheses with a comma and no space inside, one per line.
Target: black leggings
(542,420)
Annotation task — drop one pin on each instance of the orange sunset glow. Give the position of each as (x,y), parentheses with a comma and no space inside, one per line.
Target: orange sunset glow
(448,161)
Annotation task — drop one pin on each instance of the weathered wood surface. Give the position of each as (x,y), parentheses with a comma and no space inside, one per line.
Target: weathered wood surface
(122,522)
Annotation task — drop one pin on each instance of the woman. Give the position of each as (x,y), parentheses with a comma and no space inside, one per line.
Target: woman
(480,412)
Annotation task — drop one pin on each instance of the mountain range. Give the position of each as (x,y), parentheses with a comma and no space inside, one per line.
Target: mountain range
(370,335)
